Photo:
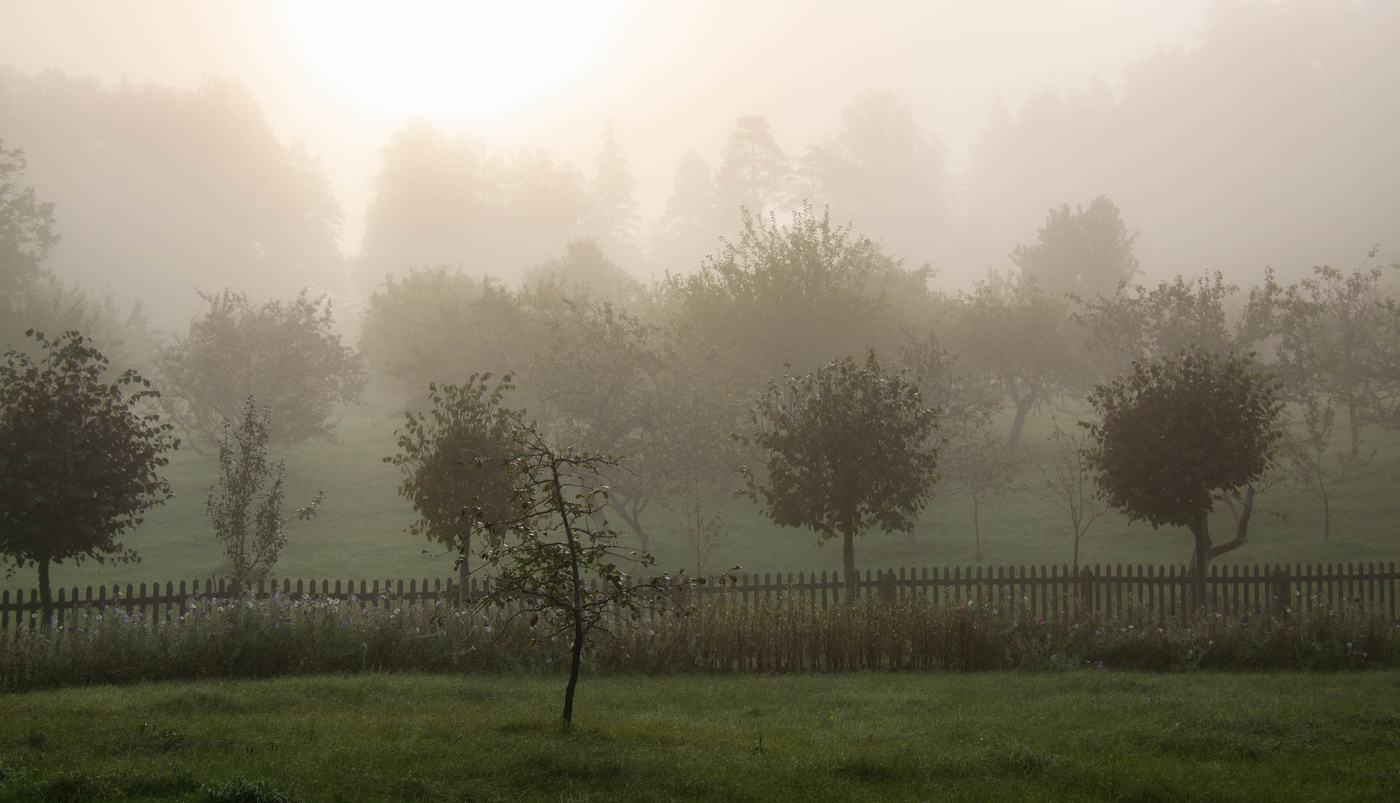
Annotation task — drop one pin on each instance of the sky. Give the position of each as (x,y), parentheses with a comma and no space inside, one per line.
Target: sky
(342,76)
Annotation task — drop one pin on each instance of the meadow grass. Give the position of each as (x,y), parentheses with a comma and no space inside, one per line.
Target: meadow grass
(869,736)
(362,530)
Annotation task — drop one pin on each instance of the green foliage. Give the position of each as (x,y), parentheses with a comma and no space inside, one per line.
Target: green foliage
(284,354)
(246,506)
(78,456)
(846,448)
(1176,432)
(455,460)
(1084,251)
(1156,323)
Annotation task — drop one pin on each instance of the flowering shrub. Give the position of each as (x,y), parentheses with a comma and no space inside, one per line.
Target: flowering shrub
(285,635)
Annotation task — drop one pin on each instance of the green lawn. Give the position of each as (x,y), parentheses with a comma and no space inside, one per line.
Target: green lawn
(1081,735)
(361,532)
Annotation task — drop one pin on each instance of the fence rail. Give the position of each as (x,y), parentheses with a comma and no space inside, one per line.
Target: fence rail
(1054,591)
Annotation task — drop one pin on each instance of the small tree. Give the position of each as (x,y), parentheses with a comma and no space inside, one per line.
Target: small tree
(245,506)
(845,447)
(703,530)
(78,457)
(981,468)
(1176,432)
(555,563)
(456,463)
(1069,485)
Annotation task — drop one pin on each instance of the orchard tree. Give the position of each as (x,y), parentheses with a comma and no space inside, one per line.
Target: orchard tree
(555,562)
(1339,338)
(245,506)
(845,448)
(456,463)
(1023,341)
(1177,432)
(1144,324)
(284,354)
(78,457)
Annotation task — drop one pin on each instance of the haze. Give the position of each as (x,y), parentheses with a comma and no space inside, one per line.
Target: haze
(1277,184)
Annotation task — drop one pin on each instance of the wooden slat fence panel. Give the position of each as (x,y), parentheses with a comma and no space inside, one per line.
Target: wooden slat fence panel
(1054,592)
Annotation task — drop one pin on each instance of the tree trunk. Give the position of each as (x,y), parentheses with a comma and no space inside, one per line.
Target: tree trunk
(1023,408)
(976,531)
(45,593)
(1355,424)
(1326,519)
(848,560)
(1200,560)
(633,520)
(464,570)
(574,663)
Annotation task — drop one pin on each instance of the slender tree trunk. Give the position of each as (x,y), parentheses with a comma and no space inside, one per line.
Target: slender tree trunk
(464,570)
(1355,424)
(1200,559)
(45,592)
(1023,408)
(574,662)
(976,531)
(848,559)
(1326,519)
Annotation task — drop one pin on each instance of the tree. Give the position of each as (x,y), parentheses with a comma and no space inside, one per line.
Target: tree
(793,295)
(441,326)
(249,492)
(612,209)
(1069,484)
(981,468)
(690,226)
(284,354)
(171,187)
(607,379)
(1339,338)
(1307,459)
(78,457)
(586,273)
(1149,324)
(753,170)
(883,172)
(845,448)
(1022,339)
(26,232)
(554,564)
(456,464)
(1085,251)
(1177,432)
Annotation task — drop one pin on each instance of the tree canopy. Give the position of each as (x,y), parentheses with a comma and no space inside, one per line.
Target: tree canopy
(845,448)
(1176,432)
(79,456)
(285,354)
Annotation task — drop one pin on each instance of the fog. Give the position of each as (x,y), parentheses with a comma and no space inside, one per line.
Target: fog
(270,147)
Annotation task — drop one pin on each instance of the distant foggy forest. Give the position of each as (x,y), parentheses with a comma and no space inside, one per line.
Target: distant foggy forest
(1198,203)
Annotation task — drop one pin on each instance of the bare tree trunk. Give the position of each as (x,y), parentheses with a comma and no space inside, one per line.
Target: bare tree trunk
(1200,560)
(45,592)
(976,531)
(848,560)
(1023,408)
(574,662)
(464,570)
(1355,424)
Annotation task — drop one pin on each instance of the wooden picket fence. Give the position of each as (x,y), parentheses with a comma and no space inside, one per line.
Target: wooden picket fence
(1054,591)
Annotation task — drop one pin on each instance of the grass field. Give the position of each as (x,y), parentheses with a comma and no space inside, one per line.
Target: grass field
(361,531)
(1079,735)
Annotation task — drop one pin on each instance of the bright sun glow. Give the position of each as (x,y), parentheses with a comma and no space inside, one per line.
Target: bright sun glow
(462,60)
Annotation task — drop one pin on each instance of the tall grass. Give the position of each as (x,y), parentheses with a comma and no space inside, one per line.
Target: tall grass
(289,635)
